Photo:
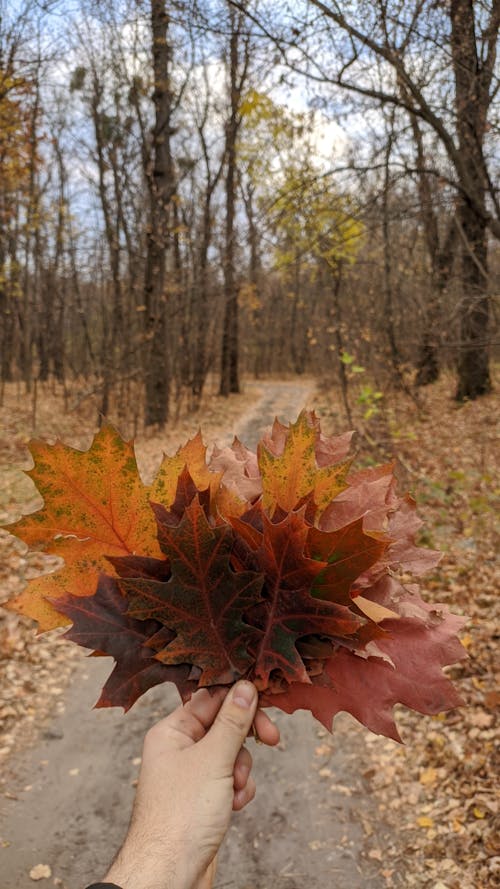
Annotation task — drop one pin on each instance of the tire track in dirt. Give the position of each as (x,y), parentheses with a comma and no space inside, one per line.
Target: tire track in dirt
(69,797)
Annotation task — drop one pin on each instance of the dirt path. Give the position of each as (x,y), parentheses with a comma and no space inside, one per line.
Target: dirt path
(69,797)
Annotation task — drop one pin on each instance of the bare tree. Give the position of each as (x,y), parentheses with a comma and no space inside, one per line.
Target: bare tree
(213,172)
(161,182)
(239,57)
(472,36)
(441,248)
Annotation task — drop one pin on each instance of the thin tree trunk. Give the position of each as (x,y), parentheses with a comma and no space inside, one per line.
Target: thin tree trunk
(336,316)
(200,363)
(229,381)
(161,189)
(201,301)
(441,254)
(32,223)
(6,313)
(473,366)
(254,276)
(395,356)
(112,327)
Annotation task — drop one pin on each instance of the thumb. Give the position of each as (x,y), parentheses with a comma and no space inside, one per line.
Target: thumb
(232,724)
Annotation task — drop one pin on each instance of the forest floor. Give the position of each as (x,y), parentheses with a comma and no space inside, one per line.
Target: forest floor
(440,790)
(349,810)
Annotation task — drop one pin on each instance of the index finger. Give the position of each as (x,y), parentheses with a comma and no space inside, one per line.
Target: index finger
(266,730)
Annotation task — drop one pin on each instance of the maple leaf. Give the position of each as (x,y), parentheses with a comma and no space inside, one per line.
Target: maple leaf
(278,566)
(192,457)
(371,497)
(402,527)
(242,483)
(101,622)
(203,601)
(289,468)
(289,610)
(86,516)
(410,674)
(347,552)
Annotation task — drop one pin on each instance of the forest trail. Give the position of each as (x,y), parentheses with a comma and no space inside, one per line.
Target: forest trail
(69,796)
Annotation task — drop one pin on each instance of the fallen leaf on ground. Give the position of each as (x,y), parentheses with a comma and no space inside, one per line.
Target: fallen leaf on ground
(40,872)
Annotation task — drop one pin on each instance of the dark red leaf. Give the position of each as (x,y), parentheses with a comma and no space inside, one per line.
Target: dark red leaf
(101,622)
(349,552)
(203,602)
(289,610)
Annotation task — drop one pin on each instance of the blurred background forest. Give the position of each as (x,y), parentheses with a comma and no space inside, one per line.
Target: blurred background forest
(193,190)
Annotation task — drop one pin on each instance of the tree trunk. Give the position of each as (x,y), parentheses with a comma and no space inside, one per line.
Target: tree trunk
(229,380)
(6,313)
(441,256)
(471,100)
(201,281)
(161,189)
(336,316)
(297,327)
(473,367)
(31,258)
(112,328)
(254,269)
(394,353)
(201,300)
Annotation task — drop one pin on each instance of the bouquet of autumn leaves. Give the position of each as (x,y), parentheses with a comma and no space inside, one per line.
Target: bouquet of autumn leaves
(285,567)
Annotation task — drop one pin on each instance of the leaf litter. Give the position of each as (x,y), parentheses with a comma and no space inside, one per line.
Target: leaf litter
(439,792)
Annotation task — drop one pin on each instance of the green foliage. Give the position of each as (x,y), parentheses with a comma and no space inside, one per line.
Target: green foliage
(348,360)
(369,398)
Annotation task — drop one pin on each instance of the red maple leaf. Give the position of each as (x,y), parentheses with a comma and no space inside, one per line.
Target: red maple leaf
(406,669)
(289,611)
(204,600)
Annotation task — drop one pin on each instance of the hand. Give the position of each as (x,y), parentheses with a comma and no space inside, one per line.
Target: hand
(194,771)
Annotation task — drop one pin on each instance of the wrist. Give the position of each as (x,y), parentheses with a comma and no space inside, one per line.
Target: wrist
(147,865)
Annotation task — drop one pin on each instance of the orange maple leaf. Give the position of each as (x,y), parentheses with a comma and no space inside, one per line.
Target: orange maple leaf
(95,505)
(290,471)
(192,455)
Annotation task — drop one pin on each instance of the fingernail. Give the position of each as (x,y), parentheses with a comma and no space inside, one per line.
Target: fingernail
(244,694)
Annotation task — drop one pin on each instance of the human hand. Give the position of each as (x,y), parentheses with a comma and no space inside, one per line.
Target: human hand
(194,771)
